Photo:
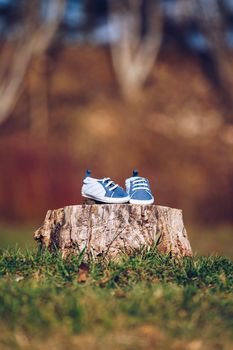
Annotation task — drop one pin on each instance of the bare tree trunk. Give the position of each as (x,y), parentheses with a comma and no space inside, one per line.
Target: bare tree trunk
(135,52)
(213,24)
(35,40)
(108,230)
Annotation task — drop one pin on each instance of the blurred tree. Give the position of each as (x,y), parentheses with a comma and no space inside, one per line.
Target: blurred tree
(134,51)
(212,20)
(135,33)
(35,25)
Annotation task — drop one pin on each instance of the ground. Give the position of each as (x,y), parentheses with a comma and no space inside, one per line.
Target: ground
(146,301)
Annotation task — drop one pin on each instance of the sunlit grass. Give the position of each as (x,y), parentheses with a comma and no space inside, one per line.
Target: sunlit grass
(211,239)
(16,234)
(145,298)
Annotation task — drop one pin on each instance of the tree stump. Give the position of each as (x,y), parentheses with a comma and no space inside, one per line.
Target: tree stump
(108,230)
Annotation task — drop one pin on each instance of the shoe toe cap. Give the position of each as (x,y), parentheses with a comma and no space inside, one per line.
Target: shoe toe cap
(141,195)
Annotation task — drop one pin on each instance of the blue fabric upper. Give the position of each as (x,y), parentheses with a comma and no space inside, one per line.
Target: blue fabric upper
(139,188)
(141,195)
(118,192)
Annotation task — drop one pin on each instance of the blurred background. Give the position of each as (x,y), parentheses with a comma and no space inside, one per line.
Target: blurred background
(112,85)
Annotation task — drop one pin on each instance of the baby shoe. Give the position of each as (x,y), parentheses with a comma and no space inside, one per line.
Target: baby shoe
(103,190)
(138,189)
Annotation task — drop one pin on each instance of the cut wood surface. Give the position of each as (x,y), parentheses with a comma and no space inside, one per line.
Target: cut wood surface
(109,230)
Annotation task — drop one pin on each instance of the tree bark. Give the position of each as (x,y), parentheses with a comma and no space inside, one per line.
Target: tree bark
(108,230)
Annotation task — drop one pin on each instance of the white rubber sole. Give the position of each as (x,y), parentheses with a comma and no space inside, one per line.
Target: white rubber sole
(136,201)
(108,200)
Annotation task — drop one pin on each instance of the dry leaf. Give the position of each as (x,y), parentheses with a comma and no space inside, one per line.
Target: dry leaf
(196,344)
(82,278)
(120,294)
(83,273)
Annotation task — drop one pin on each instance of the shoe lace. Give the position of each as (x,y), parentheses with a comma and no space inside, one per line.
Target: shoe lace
(140,183)
(109,184)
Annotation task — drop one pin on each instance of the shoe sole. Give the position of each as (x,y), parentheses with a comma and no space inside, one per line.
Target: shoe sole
(109,200)
(137,201)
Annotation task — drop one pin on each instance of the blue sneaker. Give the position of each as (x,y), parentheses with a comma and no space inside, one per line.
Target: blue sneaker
(138,189)
(103,190)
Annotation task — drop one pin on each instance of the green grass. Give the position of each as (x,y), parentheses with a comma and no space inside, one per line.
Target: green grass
(211,239)
(12,234)
(141,301)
